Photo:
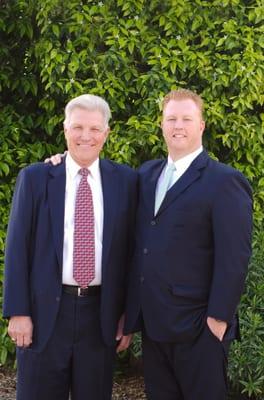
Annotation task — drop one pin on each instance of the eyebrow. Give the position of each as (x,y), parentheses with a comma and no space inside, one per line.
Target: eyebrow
(175,116)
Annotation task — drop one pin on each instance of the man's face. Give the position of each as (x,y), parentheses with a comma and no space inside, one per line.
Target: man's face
(182,127)
(85,132)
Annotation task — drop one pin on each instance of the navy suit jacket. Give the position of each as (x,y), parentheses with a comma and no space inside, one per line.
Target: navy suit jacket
(191,258)
(34,247)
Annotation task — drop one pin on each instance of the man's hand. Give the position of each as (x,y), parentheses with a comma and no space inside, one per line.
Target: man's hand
(56,159)
(217,327)
(124,340)
(20,329)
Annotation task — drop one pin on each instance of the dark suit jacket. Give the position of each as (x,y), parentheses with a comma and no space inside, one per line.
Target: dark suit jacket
(191,258)
(34,247)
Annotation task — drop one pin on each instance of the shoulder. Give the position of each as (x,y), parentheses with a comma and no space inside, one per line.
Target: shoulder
(40,172)
(224,174)
(222,169)
(149,165)
(32,179)
(121,169)
(36,169)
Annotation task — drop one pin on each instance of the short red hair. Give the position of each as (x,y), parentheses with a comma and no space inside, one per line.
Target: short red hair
(183,94)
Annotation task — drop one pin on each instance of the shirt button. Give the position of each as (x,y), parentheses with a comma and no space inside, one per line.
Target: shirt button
(145,251)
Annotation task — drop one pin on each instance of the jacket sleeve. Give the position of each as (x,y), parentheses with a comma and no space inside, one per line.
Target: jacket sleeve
(232,226)
(17,251)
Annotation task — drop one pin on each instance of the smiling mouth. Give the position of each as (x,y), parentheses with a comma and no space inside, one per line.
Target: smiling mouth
(178,135)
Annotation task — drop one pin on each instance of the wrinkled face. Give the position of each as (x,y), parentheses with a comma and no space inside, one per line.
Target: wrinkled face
(85,133)
(182,127)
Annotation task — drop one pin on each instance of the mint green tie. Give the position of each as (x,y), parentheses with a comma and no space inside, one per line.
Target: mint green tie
(164,186)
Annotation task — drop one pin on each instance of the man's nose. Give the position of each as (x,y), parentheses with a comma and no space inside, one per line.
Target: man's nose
(178,124)
(87,133)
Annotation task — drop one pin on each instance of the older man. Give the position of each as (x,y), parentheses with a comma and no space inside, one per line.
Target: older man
(67,253)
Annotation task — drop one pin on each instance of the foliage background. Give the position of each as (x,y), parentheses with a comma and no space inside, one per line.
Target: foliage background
(132,52)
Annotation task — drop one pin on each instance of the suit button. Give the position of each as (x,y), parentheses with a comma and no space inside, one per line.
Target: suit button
(153,222)
(145,251)
(57,298)
(142,279)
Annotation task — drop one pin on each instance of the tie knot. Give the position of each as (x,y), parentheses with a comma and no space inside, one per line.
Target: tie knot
(84,172)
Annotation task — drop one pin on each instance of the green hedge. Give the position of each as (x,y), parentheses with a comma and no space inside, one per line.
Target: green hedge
(247,357)
(132,52)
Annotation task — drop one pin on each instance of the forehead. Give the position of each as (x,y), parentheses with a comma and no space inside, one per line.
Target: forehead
(184,106)
(84,116)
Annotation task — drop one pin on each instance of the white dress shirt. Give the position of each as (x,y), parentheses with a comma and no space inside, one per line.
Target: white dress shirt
(72,181)
(181,166)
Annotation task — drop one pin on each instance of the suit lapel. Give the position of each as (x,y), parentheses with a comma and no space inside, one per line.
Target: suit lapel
(111,198)
(56,200)
(188,178)
(150,183)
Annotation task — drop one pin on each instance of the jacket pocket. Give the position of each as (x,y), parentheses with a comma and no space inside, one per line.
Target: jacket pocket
(190,292)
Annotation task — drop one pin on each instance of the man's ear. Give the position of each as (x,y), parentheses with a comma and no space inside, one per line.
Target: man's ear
(65,130)
(161,123)
(106,134)
(202,126)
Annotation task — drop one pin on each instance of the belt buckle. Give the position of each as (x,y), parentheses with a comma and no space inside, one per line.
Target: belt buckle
(80,292)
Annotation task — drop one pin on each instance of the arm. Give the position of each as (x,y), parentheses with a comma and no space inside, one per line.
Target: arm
(17,263)
(231,225)
(56,159)
(125,340)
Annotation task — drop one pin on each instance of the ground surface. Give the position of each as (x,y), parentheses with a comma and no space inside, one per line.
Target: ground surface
(125,388)
(129,387)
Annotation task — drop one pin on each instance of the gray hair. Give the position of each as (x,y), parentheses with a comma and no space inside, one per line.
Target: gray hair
(88,102)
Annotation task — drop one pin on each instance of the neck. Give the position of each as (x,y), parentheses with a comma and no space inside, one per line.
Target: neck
(180,155)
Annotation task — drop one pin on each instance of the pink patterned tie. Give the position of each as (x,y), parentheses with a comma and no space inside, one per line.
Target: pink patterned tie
(83,241)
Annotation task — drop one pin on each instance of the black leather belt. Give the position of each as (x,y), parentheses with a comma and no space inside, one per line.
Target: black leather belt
(81,292)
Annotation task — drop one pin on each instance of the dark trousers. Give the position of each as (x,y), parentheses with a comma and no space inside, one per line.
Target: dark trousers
(75,359)
(186,371)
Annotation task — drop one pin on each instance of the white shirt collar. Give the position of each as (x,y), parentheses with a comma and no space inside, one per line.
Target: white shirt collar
(183,163)
(73,168)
